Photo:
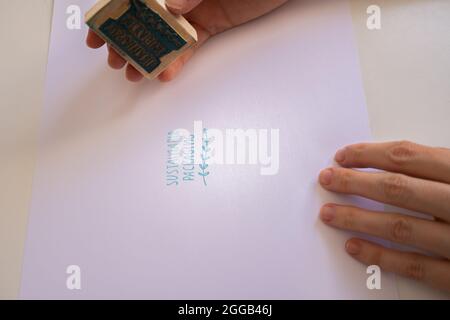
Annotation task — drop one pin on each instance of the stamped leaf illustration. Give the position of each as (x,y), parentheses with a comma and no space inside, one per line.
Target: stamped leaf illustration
(204,155)
(204,174)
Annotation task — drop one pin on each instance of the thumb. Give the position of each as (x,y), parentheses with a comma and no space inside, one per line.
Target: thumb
(182,6)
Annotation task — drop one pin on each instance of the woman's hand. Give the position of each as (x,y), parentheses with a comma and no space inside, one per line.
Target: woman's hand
(209,17)
(417,178)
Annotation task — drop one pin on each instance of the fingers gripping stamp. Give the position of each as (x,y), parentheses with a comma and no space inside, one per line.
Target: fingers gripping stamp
(144,32)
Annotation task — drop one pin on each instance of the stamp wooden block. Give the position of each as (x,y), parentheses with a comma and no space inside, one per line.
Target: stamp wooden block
(144,32)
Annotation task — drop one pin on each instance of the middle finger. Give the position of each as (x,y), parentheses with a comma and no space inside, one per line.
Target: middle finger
(115,60)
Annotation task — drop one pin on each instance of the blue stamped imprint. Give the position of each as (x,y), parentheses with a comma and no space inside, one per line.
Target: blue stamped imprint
(205,157)
(142,35)
(181,167)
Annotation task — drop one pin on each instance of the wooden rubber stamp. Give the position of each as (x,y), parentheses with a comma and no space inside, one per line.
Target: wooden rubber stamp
(144,32)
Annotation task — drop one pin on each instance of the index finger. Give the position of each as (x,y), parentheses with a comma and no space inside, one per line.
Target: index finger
(93,40)
(402,157)
(182,6)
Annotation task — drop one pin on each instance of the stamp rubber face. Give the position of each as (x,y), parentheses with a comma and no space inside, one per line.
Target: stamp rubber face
(142,35)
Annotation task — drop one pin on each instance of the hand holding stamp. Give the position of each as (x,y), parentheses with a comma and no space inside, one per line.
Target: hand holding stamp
(174,43)
(144,32)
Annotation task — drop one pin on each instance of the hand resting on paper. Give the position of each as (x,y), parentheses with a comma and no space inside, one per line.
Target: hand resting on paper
(415,177)
(209,17)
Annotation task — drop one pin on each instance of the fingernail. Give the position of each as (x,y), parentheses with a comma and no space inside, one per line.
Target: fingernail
(326,176)
(340,156)
(327,213)
(353,247)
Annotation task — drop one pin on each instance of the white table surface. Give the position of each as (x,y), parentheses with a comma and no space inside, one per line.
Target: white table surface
(405,68)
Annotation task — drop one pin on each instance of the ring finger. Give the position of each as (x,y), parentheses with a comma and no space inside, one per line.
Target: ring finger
(395,189)
(429,235)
